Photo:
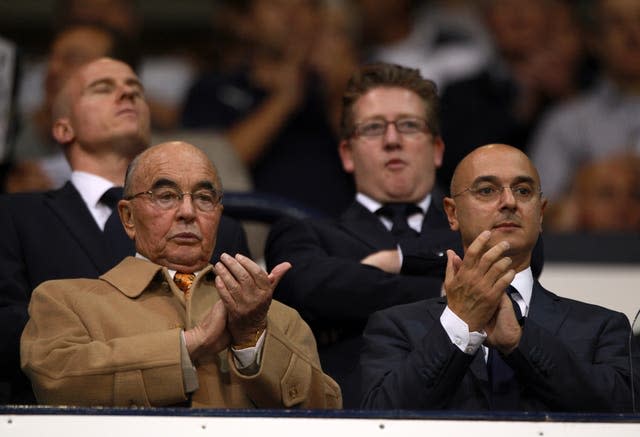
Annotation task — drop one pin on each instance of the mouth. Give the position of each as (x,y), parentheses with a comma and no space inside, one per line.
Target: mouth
(506,226)
(185,238)
(395,164)
(127,111)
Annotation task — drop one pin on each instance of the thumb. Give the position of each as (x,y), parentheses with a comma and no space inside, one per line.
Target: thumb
(278,272)
(453,265)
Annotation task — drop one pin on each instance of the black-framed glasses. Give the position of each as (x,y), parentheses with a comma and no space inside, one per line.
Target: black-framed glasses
(167,198)
(491,192)
(378,127)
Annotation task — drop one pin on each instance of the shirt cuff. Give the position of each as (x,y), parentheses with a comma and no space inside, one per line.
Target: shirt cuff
(458,332)
(249,357)
(189,372)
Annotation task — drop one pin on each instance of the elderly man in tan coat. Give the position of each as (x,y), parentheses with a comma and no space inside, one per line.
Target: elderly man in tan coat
(167,327)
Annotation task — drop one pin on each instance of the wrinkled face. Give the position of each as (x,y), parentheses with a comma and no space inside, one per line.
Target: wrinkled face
(107,109)
(393,166)
(507,217)
(69,51)
(620,38)
(181,238)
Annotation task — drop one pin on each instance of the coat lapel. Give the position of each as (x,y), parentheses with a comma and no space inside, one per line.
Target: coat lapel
(435,218)
(67,204)
(546,309)
(361,223)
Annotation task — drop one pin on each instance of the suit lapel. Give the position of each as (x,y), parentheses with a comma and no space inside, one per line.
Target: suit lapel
(67,204)
(546,309)
(435,218)
(361,223)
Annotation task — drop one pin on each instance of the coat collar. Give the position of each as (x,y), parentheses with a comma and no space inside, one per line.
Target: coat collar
(134,275)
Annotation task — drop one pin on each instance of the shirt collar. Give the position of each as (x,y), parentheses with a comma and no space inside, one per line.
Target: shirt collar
(523,282)
(91,187)
(373,205)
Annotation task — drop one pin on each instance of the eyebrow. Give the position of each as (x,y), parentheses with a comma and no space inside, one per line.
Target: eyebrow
(384,118)
(163,182)
(495,180)
(110,81)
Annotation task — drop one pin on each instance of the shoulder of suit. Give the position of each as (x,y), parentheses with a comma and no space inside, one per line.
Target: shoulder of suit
(578,305)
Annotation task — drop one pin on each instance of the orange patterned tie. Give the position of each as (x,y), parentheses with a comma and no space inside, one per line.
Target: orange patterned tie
(184,280)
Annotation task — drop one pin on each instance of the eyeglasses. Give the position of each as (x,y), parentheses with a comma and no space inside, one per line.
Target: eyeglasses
(170,198)
(377,128)
(491,193)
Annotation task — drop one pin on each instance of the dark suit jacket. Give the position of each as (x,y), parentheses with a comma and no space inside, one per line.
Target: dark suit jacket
(53,235)
(572,356)
(335,294)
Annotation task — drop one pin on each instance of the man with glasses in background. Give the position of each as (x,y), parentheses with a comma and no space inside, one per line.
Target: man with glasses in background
(389,246)
(499,340)
(167,328)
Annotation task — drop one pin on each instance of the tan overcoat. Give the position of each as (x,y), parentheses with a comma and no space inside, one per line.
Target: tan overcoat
(115,341)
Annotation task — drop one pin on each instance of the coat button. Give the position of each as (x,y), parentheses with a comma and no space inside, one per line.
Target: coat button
(293,392)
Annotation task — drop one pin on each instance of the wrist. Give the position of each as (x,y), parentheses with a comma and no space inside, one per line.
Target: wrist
(250,340)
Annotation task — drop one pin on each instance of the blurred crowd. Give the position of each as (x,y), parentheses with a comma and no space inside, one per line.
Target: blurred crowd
(558,79)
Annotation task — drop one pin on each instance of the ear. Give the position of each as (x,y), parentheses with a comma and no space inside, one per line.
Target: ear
(450,209)
(543,206)
(346,155)
(438,151)
(126,217)
(62,131)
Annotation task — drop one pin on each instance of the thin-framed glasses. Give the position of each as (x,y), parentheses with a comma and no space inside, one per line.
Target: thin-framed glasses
(376,128)
(488,192)
(167,198)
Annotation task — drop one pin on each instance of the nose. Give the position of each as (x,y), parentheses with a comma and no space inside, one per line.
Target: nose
(507,199)
(186,208)
(128,92)
(391,137)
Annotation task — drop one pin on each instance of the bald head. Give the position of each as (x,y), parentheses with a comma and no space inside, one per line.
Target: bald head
(171,207)
(497,188)
(484,154)
(163,154)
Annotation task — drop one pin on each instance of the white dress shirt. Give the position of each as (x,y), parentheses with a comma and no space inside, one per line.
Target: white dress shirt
(91,189)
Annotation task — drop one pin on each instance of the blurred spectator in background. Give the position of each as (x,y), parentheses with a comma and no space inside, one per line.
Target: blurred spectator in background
(444,39)
(538,60)
(604,198)
(336,53)
(156,71)
(166,75)
(604,120)
(39,161)
(271,104)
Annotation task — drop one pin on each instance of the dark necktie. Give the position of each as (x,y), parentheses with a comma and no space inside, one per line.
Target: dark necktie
(504,386)
(398,213)
(117,241)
